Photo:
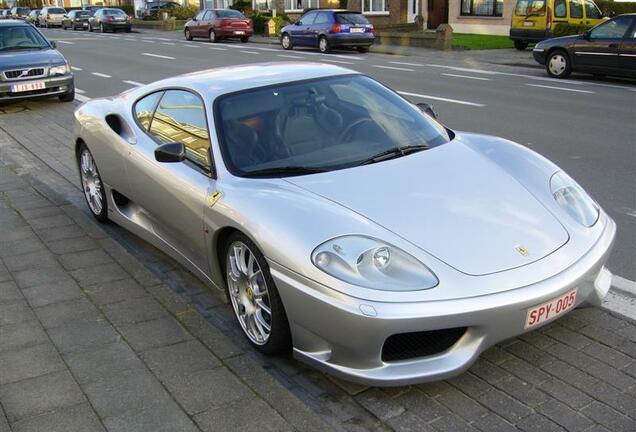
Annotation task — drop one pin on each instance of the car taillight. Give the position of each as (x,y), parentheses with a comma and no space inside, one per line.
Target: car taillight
(336,28)
(371,28)
(549,18)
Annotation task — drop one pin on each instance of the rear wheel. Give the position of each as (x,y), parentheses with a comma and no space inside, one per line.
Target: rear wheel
(188,35)
(90,28)
(558,64)
(92,185)
(323,45)
(245,39)
(286,42)
(213,37)
(254,297)
(521,45)
(101,28)
(363,49)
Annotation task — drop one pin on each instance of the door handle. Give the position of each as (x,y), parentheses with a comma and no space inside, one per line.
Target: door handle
(131,140)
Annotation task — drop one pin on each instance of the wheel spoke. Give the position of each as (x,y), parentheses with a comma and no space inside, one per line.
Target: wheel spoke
(250,266)
(261,304)
(264,327)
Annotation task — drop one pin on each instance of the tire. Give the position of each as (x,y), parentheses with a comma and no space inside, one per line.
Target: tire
(128,29)
(90,28)
(521,45)
(212,37)
(101,28)
(68,97)
(92,185)
(244,299)
(323,45)
(245,39)
(558,64)
(286,42)
(187,34)
(63,27)
(363,50)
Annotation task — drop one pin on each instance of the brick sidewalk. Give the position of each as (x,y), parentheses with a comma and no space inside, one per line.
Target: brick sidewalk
(578,374)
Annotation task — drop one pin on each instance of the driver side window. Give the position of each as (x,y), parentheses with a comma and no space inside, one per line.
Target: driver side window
(614,29)
(200,15)
(308,19)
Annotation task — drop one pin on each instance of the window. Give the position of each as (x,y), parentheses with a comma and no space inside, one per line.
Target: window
(614,29)
(532,7)
(262,5)
(576,9)
(180,117)
(229,13)
(301,4)
(482,7)
(323,18)
(560,9)
(308,18)
(374,6)
(351,18)
(208,16)
(200,15)
(144,108)
(591,11)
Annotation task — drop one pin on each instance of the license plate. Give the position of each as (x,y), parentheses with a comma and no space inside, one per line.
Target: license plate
(239,32)
(357,30)
(30,86)
(528,23)
(551,309)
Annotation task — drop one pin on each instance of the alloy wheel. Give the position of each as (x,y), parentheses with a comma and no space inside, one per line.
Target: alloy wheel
(286,42)
(249,293)
(91,182)
(212,36)
(557,64)
(323,46)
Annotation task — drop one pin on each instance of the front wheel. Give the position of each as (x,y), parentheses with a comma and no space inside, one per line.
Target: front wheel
(323,45)
(90,28)
(212,36)
(286,42)
(245,39)
(92,185)
(558,65)
(68,97)
(101,28)
(363,50)
(521,45)
(255,300)
(188,35)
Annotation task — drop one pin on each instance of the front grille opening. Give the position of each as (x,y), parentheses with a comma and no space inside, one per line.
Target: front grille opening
(24,73)
(405,346)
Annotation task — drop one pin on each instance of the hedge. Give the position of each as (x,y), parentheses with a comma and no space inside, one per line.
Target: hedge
(611,8)
(564,29)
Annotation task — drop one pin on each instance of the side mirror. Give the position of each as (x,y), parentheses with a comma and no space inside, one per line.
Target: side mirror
(427,109)
(297,23)
(586,34)
(53,44)
(195,19)
(171,152)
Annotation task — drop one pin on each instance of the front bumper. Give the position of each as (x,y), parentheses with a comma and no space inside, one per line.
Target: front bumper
(54,86)
(539,55)
(344,336)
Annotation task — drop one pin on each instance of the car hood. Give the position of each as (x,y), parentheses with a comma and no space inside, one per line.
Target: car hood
(450,201)
(562,40)
(30,58)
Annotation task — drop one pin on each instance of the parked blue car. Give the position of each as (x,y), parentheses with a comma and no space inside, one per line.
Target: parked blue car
(327,29)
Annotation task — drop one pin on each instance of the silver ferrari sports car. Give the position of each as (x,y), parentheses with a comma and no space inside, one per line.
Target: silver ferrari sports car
(343,222)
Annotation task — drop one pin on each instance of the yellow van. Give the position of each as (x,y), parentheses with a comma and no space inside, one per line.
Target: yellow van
(534,20)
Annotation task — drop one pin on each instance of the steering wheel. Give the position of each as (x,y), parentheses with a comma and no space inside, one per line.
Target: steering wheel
(353,126)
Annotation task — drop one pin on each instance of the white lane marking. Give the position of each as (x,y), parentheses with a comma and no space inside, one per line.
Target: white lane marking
(81,97)
(393,68)
(249,52)
(337,61)
(135,83)
(258,48)
(466,76)
(191,46)
(99,74)
(217,48)
(625,285)
(289,56)
(560,88)
(618,302)
(75,68)
(167,43)
(159,56)
(79,91)
(457,101)
(66,42)
(148,41)
(406,64)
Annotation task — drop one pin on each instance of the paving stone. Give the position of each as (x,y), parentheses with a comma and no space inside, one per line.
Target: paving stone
(127,391)
(10,248)
(99,274)
(452,423)
(209,335)
(156,333)
(60,233)
(21,335)
(80,336)
(609,417)
(572,375)
(51,293)
(470,384)
(565,393)
(615,398)
(77,244)
(160,417)
(505,406)
(89,258)
(14,313)
(40,212)
(493,423)
(380,405)
(39,395)
(496,355)
(489,372)
(172,301)
(564,416)
(461,404)
(9,292)
(34,277)
(4,273)
(537,422)
(78,418)
(4,423)
(102,362)
(537,339)
(47,222)
(134,311)
(203,390)
(567,336)
(115,291)
(252,415)
(530,354)
(29,363)
(409,422)
(522,391)
(176,360)
(610,338)
(77,310)
(32,260)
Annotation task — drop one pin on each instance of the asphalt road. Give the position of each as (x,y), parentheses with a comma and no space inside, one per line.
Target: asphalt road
(587,127)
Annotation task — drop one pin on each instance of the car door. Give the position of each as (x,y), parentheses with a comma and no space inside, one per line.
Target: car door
(576,12)
(627,52)
(593,15)
(197,22)
(597,50)
(210,21)
(173,195)
(321,25)
(300,30)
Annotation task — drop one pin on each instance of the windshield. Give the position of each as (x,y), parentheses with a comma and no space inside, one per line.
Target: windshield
(82,13)
(21,37)
(325,124)
(530,7)
(56,11)
(22,10)
(113,12)
(351,18)
(228,13)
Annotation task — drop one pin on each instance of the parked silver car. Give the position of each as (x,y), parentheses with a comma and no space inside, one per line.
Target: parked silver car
(342,221)
(51,16)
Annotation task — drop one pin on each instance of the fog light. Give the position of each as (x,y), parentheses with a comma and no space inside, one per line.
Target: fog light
(322,259)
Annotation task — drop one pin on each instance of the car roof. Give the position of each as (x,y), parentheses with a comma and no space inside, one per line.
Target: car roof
(212,83)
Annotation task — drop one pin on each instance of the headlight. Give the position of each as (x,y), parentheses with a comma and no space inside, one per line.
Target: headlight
(573,199)
(60,70)
(370,263)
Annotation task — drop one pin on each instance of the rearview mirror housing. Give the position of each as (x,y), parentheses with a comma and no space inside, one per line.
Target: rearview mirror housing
(171,152)
(427,109)
(53,44)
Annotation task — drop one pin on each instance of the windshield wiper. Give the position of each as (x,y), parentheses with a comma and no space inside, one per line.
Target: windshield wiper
(394,153)
(284,170)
